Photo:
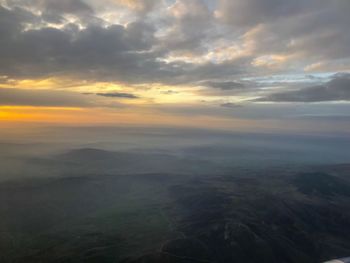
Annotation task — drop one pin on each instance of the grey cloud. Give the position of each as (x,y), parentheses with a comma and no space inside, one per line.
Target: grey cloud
(310,31)
(337,89)
(192,73)
(11,21)
(144,6)
(226,85)
(116,52)
(252,12)
(320,34)
(67,6)
(230,105)
(118,95)
(240,87)
(48,98)
(190,27)
(53,11)
(169,92)
(97,53)
(136,52)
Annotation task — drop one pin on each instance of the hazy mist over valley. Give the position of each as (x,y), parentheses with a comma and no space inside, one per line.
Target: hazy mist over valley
(173,195)
(162,150)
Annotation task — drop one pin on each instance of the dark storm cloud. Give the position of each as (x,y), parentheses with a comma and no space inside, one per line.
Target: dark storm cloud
(118,95)
(337,89)
(48,98)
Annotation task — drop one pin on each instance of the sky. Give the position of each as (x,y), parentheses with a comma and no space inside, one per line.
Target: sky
(247,65)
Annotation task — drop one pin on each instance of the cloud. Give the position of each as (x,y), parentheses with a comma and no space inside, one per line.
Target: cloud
(45,98)
(118,95)
(169,92)
(252,12)
(95,53)
(230,105)
(54,11)
(190,23)
(299,31)
(64,6)
(226,85)
(140,6)
(337,89)
(177,42)
(113,53)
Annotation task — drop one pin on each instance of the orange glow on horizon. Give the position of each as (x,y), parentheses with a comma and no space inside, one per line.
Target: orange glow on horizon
(30,114)
(102,116)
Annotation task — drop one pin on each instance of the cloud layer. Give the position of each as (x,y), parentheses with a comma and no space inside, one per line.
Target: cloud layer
(337,89)
(45,98)
(171,42)
(215,55)
(118,95)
